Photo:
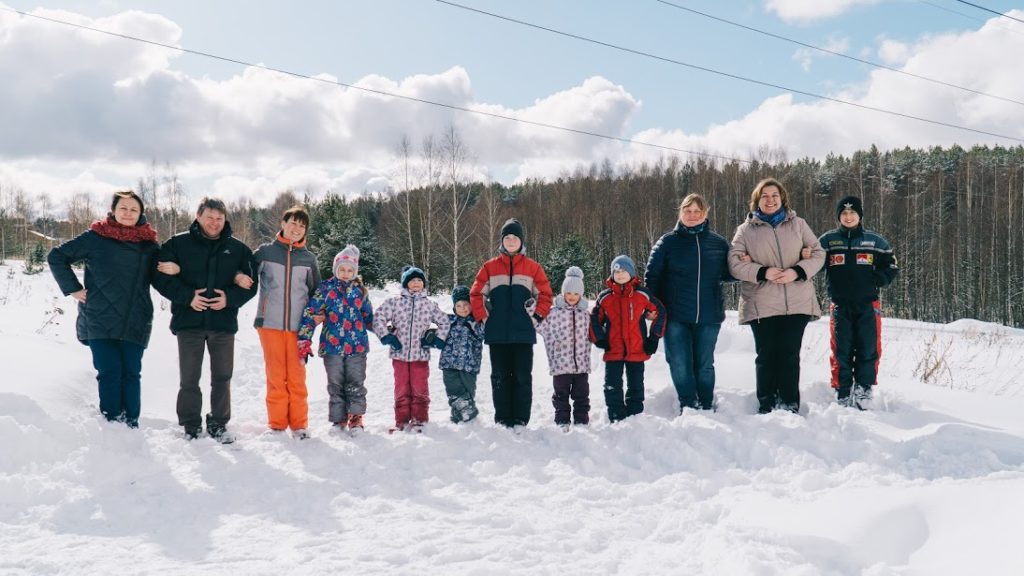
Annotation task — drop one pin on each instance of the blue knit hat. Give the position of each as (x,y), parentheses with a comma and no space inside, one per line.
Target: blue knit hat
(624,263)
(410,272)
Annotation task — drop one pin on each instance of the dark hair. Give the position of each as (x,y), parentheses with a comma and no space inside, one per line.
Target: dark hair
(755,196)
(296,213)
(213,204)
(124,195)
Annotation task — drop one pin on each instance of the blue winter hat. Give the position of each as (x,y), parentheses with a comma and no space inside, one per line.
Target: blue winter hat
(460,294)
(410,272)
(624,263)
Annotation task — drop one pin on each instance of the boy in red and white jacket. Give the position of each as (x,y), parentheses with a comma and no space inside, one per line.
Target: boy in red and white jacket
(618,325)
(510,292)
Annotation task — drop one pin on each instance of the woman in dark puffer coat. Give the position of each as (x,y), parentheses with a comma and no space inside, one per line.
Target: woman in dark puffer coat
(115,311)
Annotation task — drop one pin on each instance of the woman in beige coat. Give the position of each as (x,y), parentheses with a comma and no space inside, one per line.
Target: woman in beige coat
(777,298)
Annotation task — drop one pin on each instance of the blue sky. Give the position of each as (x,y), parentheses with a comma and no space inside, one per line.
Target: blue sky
(481,62)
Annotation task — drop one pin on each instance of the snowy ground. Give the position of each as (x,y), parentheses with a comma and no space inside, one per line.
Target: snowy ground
(929,483)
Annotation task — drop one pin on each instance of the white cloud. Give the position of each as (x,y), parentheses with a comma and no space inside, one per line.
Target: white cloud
(89,97)
(807,11)
(818,127)
(90,114)
(893,52)
(806,56)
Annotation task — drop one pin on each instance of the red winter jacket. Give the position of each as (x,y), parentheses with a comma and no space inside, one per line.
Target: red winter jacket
(499,293)
(620,318)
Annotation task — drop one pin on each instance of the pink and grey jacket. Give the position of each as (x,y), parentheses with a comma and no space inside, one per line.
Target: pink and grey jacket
(566,337)
(410,315)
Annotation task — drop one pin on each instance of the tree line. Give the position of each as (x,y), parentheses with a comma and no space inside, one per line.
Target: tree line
(953,216)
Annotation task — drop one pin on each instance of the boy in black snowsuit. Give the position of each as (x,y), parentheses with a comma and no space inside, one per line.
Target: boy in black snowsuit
(858,262)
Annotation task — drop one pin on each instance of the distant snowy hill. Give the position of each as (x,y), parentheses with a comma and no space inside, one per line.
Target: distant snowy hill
(930,482)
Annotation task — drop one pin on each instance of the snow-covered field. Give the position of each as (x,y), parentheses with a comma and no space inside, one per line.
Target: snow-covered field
(931,482)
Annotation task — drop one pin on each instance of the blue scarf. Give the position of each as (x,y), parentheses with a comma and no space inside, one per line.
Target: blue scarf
(695,229)
(774,219)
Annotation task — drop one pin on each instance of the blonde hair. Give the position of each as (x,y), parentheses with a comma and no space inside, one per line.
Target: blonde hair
(755,196)
(694,199)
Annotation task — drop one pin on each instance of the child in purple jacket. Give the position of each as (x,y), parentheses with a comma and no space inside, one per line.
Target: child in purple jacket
(566,339)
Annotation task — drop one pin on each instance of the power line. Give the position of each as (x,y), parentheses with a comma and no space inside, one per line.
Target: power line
(400,96)
(839,54)
(377,91)
(968,16)
(729,74)
(980,7)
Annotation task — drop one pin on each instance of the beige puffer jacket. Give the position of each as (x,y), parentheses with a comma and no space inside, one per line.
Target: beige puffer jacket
(779,247)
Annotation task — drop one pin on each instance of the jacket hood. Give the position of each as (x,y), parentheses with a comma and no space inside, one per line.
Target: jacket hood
(583,304)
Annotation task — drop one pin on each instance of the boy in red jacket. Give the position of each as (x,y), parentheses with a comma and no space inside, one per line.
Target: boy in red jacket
(508,290)
(618,325)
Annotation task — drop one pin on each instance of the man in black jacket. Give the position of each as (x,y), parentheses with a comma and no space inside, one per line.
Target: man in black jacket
(198,268)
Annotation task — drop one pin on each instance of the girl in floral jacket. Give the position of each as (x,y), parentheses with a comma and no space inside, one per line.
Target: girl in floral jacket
(567,341)
(345,306)
(407,319)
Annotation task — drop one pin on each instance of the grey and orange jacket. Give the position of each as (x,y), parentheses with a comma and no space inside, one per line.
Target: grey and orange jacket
(288,276)
(499,294)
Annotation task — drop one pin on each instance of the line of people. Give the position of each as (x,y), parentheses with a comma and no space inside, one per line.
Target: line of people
(207,275)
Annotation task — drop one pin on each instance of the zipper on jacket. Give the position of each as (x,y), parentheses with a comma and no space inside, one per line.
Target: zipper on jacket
(624,324)
(412,322)
(778,245)
(286,324)
(131,302)
(574,330)
(511,312)
(700,258)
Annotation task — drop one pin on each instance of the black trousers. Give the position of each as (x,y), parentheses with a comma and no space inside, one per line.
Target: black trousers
(777,341)
(512,383)
(576,387)
(619,406)
(856,338)
(221,346)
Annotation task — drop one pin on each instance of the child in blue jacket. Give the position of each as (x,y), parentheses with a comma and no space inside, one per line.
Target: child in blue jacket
(345,305)
(460,358)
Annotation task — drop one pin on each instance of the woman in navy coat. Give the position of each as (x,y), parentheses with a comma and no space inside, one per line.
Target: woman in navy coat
(115,311)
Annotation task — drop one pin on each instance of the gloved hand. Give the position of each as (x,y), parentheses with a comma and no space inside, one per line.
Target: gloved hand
(650,345)
(530,305)
(391,340)
(305,350)
(430,339)
(602,344)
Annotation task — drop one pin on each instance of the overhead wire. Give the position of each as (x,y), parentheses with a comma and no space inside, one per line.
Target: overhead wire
(968,16)
(453,107)
(729,74)
(379,92)
(837,53)
(985,9)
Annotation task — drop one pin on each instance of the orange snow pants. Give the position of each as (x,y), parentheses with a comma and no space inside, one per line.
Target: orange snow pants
(286,380)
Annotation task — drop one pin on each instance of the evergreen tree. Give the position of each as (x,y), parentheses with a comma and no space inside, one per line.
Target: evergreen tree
(34,264)
(571,250)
